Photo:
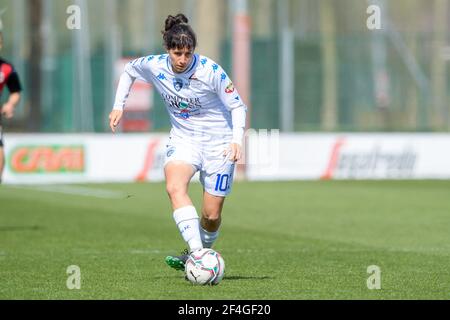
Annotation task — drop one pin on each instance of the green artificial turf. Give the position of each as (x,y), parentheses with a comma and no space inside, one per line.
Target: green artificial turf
(280,240)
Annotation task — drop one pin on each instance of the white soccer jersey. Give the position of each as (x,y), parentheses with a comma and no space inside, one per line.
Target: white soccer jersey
(202,102)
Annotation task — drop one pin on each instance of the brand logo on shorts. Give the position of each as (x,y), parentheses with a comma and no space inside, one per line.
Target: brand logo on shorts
(170,152)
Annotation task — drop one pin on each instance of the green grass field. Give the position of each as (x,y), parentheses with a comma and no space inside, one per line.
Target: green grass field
(280,240)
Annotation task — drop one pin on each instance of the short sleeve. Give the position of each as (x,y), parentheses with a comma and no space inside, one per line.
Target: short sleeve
(13,83)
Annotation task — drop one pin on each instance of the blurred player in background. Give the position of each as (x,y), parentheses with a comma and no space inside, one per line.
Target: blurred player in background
(10,79)
(208,120)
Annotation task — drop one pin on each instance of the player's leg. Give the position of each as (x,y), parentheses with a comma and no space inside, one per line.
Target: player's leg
(179,170)
(211,218)
(217,180)
(178,175)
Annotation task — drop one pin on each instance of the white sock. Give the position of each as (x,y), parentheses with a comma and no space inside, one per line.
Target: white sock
(208,238)
(187,222)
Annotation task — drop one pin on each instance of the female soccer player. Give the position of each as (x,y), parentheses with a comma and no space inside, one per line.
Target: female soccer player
(208,120)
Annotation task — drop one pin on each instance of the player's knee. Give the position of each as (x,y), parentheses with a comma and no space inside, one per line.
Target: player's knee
(175,190)
(211,216)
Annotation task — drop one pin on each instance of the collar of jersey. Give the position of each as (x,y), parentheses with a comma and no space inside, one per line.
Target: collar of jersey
(189,70)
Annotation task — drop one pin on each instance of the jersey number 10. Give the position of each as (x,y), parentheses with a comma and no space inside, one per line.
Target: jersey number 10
(223,182)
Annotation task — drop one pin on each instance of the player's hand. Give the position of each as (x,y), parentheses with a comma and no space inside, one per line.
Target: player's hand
(8,110)
(234,152)
(114,119)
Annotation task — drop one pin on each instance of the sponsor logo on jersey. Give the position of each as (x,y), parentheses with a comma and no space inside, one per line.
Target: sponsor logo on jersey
(182,107)
(48,159)
(184,110)
(161,76)
(194,82)
(184,114)
(229,88)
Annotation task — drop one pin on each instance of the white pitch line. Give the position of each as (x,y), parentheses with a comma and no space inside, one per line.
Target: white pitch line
(76,190)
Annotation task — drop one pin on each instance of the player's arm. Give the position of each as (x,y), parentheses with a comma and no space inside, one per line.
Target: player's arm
(238,116)
(134,70)
(233,101)
(123,90)
(14,88)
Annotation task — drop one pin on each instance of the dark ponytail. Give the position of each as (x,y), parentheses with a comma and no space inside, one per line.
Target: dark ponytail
(178,33)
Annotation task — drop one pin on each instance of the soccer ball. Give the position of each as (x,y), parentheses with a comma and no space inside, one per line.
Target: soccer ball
(205,267)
